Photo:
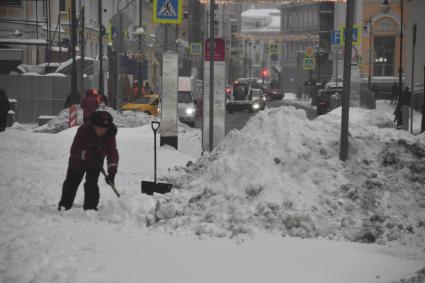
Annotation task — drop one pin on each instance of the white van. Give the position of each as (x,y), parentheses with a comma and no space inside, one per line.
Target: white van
(186,100)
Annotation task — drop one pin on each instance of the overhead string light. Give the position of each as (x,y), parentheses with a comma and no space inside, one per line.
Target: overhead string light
(228,2)
(278,37)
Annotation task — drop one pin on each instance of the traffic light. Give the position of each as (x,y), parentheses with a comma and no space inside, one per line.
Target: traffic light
(265,72)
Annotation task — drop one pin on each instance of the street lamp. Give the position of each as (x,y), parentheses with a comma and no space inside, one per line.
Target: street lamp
(385,7)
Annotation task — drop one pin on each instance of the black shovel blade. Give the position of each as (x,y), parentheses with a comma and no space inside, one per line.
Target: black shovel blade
(151,187)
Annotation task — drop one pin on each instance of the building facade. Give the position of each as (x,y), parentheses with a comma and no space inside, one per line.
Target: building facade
(259,42)
(305,26)
(381,39)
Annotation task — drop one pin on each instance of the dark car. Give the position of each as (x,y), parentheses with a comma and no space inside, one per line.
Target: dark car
(273,94)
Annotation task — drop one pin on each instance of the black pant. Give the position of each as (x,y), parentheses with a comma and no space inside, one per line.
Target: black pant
(71,183)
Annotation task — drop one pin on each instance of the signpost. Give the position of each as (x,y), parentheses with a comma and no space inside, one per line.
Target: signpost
(337,36)
(167,11)
(196,48)
(309,63)
(169,99)
(218,97)
(273,48)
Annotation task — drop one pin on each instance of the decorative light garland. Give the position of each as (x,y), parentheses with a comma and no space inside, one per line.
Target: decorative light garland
(277,37)
(227,2)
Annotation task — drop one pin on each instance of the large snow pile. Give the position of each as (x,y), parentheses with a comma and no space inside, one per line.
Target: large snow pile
(282,173)
(127,119)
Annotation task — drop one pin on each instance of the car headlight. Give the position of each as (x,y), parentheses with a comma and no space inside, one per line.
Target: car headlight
(190,111)
(255,106)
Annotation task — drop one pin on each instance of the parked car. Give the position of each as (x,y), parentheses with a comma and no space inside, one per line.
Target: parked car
(273,94)
(147,104)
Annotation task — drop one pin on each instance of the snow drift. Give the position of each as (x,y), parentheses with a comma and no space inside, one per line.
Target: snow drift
(127,119)
(281,173)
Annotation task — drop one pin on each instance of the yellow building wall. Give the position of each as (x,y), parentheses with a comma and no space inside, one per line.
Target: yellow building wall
(374,10)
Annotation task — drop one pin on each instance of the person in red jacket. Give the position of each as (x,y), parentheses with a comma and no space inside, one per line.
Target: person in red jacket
(90,103)
(93,142)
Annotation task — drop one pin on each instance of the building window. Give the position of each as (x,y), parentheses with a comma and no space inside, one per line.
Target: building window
(234,28)
(384,55)
(234,41)
(62,6)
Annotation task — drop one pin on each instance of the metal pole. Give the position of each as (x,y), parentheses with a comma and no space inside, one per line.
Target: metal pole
(139,77)
(36,29)
(245,59)
(49,35)
(369,78)
(337,54)
(75,99)
(413,77)
(99,14)
(423,108)
(211,130)
(346,81)
(119,94)
(59,37)
(82,47)
(400,69)
(318,64)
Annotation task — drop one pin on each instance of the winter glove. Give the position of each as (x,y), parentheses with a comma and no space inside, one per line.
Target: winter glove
(110,179)
(85,155)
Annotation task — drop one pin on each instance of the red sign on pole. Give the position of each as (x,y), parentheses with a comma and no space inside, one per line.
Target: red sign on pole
(219,49)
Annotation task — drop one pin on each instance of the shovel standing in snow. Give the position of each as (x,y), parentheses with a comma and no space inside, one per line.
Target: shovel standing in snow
(109,183)
(153,187)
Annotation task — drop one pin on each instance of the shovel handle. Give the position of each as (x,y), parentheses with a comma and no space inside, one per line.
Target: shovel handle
(155,125)
(110,184)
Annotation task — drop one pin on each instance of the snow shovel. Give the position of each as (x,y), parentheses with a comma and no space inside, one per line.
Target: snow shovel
(153,187)
(110,184)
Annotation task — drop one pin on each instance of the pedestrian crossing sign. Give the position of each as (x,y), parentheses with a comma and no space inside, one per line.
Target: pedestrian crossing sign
(273,49)
(167,11)
(196,48)
(309,63)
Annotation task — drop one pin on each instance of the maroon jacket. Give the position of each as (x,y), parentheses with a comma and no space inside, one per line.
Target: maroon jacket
(88,149)
(89,104)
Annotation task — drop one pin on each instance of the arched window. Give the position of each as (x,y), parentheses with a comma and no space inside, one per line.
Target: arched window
(384,47)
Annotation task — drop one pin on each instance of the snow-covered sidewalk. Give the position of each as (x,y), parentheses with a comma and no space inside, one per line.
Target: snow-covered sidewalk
(272,203)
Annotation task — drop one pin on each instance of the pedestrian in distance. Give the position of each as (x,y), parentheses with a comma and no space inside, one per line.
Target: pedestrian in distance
(146,90)
(90,104)
(394,93)
(103,99)
(403,100)
(67,102)
(93,142)
(4,109)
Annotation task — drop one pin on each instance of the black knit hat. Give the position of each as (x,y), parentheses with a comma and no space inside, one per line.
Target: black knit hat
(101,119)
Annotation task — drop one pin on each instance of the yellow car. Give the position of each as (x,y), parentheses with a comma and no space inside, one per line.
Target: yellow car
(147,104)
